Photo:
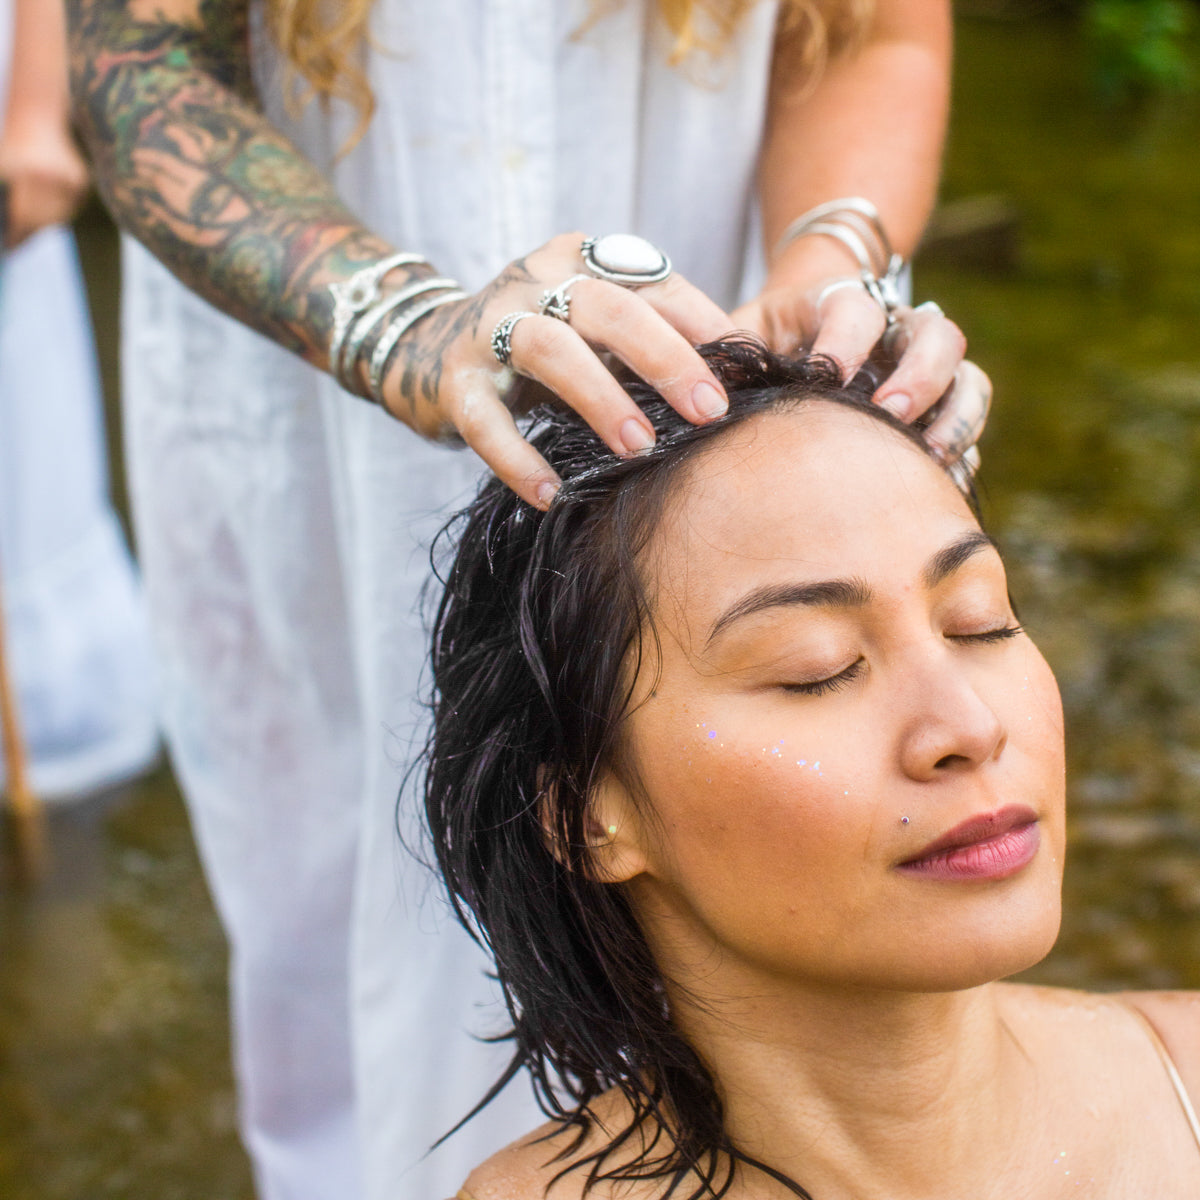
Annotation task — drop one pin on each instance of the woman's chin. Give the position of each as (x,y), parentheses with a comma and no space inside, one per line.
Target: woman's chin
(979,957)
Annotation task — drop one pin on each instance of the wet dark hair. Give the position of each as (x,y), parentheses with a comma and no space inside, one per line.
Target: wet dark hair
(540,633)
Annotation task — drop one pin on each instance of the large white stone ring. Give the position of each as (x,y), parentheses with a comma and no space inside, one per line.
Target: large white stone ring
(502,336)
(556,302)
(626,259)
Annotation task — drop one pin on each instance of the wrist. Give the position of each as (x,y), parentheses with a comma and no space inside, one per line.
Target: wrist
(355,301)
(37,127)
(807,264)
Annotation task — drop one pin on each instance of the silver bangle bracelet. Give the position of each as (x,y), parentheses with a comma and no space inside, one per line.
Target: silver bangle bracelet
(855,223)
(848,238)
(849,209)
(354,295)
(345,371)
(400,324)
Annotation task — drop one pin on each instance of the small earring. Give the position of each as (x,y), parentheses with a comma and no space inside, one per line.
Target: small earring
(903,820)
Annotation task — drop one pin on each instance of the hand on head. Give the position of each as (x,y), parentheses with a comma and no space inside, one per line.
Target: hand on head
(553,316)
(446,377)
(809,300)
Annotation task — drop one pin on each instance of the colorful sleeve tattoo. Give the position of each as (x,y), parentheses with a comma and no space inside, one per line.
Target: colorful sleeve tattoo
(189,164)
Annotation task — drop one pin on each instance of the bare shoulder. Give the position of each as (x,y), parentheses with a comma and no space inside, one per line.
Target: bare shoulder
(524,1169)
(1053,1020)
(1176,1018)
(539,1166)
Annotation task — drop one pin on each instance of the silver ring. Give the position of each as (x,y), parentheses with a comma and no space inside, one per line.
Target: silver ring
(885,289)
(930,306)
(502,336)
(964,470)
(556,302)
(626,259)
(836,286)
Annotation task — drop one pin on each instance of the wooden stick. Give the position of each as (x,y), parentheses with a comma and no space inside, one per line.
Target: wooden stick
(28,819)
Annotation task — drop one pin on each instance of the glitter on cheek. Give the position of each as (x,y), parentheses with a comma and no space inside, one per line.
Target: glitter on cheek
(712,733)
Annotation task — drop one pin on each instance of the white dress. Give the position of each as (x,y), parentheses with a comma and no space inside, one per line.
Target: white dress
(76,629)
(284,531)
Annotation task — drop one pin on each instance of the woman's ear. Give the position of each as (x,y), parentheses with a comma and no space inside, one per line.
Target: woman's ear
(616,832)
(615,850)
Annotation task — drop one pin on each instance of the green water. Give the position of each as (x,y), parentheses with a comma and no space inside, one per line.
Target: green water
(113,1038)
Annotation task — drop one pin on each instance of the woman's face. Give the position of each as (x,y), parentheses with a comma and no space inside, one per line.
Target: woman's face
(849,761)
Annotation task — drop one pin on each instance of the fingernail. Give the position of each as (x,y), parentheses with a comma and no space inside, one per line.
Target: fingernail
(897,403)
(635,437)
(546,493)
(709,400)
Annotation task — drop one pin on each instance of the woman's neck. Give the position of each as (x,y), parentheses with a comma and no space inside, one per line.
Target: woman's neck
(868,1094)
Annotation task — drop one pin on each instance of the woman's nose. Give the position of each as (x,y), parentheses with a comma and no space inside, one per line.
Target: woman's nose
(950,724)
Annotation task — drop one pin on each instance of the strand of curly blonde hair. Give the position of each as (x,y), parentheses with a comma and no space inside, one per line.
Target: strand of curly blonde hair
(322,42)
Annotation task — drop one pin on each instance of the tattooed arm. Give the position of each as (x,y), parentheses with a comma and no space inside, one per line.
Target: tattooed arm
(189,164)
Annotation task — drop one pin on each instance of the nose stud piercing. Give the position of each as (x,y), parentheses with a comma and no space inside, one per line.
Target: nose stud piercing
(903,820)
(612,830)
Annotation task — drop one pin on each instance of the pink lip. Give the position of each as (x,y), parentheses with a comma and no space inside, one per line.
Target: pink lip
(992,846)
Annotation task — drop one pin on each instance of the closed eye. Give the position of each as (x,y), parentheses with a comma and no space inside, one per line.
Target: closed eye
(820,687)
(988,635)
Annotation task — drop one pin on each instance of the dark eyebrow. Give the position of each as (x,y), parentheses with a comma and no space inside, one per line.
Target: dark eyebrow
(847,593)
(947,560)
(828,593)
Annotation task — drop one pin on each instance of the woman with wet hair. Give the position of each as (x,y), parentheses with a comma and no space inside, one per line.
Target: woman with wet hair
(749,779)
(322,301)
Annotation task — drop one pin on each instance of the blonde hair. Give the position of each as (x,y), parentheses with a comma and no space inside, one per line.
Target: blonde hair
(322,41)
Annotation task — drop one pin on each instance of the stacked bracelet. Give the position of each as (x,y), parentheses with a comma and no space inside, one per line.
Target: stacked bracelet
(355,295)
(347,372)
(855,223)
(359,306)
(399,325)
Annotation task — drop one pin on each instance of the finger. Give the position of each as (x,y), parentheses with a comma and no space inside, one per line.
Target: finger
(931,348)
(645,341)
(688,309)
(849,323)
(780,317)
(558,358)
(962,414)
(486,425)
(750,318)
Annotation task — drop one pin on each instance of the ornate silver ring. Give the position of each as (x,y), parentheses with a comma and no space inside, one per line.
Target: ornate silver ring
(851,281)
(556,302)
(626,259)
(502,336)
